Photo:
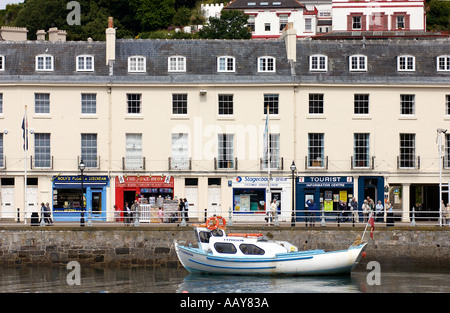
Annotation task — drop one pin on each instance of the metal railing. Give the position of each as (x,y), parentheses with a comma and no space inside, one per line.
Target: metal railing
(147,215)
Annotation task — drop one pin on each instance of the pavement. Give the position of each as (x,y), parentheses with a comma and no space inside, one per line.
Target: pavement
(5,224)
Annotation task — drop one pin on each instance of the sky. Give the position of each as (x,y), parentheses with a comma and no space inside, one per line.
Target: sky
(3,3)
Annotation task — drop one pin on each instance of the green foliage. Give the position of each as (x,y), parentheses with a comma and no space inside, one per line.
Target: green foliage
(438,15)
(232,24)
(153,14)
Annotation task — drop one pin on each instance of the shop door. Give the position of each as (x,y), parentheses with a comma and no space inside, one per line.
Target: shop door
(7,197)
(32,199)
(129,196)
(213,201)
(276,194)
(191,194)
(96,202)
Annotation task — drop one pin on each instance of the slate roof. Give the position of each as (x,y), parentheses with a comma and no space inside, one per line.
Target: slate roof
(201,61)
(264,4)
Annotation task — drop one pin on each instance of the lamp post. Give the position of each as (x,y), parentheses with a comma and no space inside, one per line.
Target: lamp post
(293,168)
(440,131)
(81,167)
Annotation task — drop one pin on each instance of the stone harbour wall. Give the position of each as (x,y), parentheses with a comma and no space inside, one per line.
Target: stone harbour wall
(29,246)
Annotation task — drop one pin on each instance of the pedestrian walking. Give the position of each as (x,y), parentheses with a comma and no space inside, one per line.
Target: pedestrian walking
(127,214)
(186,210)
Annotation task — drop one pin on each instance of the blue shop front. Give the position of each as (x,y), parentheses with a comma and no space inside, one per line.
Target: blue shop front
(325,191)
(67,197)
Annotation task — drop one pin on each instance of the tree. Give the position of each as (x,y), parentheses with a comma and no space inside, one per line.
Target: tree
(153,14)
(232,24)
(438,15)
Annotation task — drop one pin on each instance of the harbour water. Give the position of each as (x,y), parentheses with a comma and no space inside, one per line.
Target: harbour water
(172,280)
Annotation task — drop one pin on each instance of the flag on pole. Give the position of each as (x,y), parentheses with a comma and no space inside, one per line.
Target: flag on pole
(372,224)
(25,132)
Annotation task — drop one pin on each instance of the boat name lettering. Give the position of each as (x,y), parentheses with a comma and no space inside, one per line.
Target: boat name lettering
(190,254)
(227,239)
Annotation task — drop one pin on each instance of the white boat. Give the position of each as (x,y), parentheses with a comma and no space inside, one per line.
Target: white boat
(254,254)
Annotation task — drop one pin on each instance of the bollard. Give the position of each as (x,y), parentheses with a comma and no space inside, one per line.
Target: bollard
(230,221)
(322,222)
(82,219)
(18,215)
(413,221)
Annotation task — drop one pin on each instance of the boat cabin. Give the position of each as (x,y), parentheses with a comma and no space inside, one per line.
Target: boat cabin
(217,242)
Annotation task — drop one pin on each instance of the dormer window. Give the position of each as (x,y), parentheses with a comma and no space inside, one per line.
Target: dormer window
(177,64)
(136,64)
(358,63)
(443,63)
(85,63)
(318,62)
(225,64)
(266,64)
(406,63)
(44,62)
(2,63)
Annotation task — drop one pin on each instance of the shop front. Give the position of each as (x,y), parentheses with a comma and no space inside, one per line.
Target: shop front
(149,188)
(250,195)
(68,197)
(326,191)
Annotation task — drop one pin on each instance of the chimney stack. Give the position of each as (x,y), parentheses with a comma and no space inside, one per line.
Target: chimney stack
(110,41)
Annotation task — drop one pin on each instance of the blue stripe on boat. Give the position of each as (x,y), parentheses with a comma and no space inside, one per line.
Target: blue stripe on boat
(242,260)
(235,268)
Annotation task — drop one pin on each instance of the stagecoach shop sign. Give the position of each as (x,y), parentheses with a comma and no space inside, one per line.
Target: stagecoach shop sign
(260,181)
(326,181)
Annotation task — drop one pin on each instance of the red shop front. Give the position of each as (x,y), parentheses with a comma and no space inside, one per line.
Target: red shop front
(130,188)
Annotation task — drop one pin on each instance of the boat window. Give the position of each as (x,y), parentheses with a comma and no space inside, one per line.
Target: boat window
(217,232)
(222,247)
(251,249)
(204,236)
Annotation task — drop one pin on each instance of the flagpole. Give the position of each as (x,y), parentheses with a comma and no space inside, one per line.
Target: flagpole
(25,148)
(269,200)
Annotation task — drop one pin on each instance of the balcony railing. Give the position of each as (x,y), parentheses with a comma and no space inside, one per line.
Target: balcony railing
(41,163)
(446,162)
(408,163)
(368,164)
(317,163)
(180,163)
(276,164)
(225,164)
(90,163)
(133,164)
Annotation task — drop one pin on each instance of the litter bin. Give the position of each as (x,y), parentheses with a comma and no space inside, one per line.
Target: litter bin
(390,219)
(34,219)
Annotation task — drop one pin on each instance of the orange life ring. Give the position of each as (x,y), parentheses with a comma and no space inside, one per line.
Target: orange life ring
(244,235)
(214,225)
(224,222)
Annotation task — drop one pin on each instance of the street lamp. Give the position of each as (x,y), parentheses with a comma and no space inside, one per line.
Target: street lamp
(440,131)
(293,168)
(81,167)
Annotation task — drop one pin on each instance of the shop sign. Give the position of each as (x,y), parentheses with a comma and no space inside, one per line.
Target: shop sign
(159,181)
(88,180)
(261,181)
(325,181)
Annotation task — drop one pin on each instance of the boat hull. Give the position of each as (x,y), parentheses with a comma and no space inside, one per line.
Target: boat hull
(313,262)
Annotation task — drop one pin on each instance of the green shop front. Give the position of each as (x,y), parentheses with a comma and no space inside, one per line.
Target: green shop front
(68,193)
